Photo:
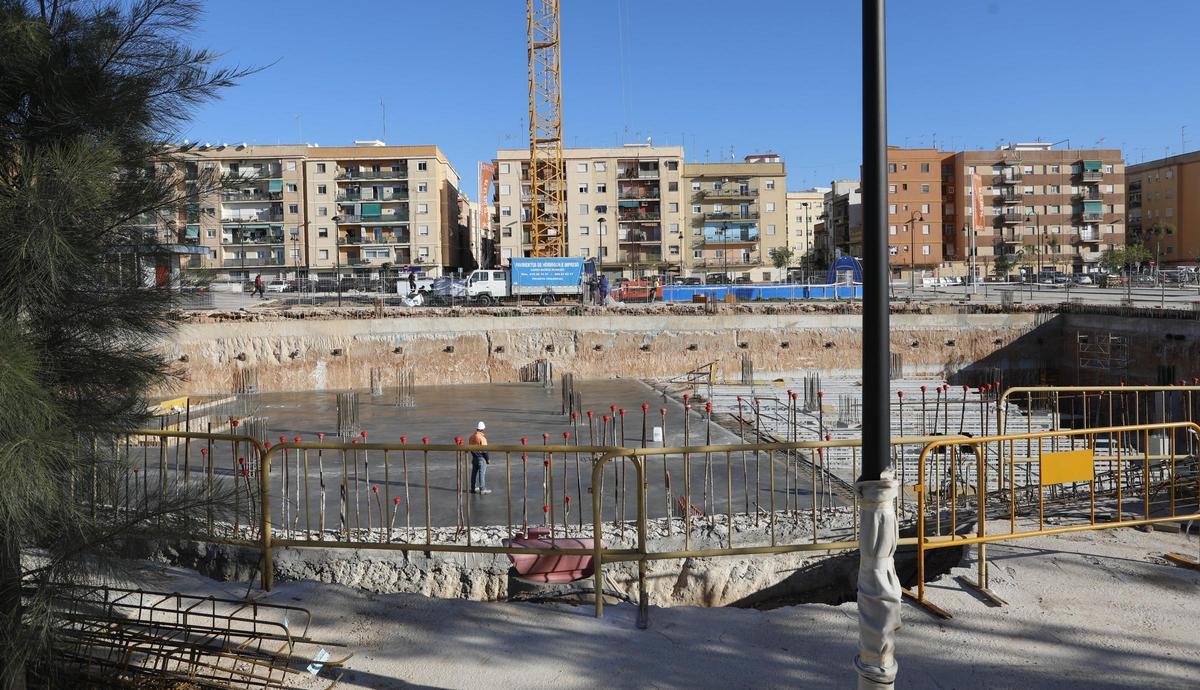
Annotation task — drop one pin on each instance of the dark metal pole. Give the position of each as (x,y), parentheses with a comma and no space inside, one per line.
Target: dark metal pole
(875,254)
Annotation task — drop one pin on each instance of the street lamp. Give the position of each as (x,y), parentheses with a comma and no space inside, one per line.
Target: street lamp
(337,257)
(602,230)
(807,240)
(912,251)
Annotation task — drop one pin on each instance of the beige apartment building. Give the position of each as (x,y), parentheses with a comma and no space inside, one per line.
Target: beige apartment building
(324,211)
(1059,208)
(737,212)
(624,207)
(804,211)
(1164,208)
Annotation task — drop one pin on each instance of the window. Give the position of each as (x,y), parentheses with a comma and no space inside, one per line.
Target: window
(891,208)
(891,189)
(584,230)
(504,168)
(672,165)
(293,208)
(970,170)
(891,167)
(925,249)
(422,208)
(673,250)
(924,208)
(1170,173)
(770,229)
(674,227)
(903,166)
(770,206)
(673,186)
(295,253)
(423,252)
(1107,189)
(1028,169)
(323,254)
(583,209)
(1108,168)
(770,184)
(925,187)
(892,229)
(320,167)
(422,229)
(893,251)
(505,189)
(506,253)
(1054,189)
(422,187)
(585,252)
(322,211)
(695,208)
(1028,190)
(506,211)
(697,254)
(925,228)
(904,186)
(322,232)
(583,188)
(673,207)
(422,166)
(695,186)
(291,165)
(212,233)
(601,187)
(599,166)
(291,187)
(925,167)
(321,189)
(1054,208)
(1055,170)
(581,167)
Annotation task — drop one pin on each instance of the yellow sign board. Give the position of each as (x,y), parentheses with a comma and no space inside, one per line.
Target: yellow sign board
(1068,466)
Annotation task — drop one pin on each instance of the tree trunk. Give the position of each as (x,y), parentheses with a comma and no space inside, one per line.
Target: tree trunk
(12,670)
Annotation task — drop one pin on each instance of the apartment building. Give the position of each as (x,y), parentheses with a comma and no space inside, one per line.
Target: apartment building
(1049,209)
(737,213)
(1163,197)
(336,211)
(839,230)
(915,209)
(804,210)
(624,207)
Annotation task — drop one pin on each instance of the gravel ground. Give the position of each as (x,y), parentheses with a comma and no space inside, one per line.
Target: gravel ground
(1094,610)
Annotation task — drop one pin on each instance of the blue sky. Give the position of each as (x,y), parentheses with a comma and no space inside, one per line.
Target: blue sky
(718,76)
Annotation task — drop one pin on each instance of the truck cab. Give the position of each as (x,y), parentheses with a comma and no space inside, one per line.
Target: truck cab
(487,286)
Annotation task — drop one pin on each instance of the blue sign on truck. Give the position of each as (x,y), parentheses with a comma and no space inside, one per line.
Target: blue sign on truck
(546,272)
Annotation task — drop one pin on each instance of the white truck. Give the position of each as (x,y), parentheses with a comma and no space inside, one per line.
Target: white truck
(545,279)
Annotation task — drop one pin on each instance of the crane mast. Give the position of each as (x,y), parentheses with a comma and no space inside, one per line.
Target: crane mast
(547,173)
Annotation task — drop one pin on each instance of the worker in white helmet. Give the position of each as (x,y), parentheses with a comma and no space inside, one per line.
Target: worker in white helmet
(479,460)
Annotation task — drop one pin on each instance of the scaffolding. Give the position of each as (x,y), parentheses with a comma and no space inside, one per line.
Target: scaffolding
(1102,351)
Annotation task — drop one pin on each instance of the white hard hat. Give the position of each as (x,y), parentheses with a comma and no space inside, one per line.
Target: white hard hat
(481,426)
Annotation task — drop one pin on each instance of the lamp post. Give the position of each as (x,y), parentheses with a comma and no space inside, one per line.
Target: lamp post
(912,251)
(807,240)
(602,230)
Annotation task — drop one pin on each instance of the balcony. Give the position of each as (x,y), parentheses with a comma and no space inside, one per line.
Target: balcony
(249,262)
(631,215)
(643,256)
(372,220)
(731,194)
(636,235)
(1010,237)
(735,261)
(637,173)
(252,219)
(1010,197)
(381,239)
(1012,176)
(1092,175)
(257,195)
(267,172)
(372,175)
(1089,194)
(1089,235)
(638,193)
(1092,217)
(1011,217)
(358,196)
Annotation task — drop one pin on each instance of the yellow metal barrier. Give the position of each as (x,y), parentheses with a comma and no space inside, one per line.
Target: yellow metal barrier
(967,481)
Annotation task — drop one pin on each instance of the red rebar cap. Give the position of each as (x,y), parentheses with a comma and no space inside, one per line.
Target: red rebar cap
(404,439)
(566,499)
(589,414)
(621,411)
(297,439)
(739,398)
(645,407)
(820,394)
(245,472)
(354,442)
(204,451)
(899,394)
(922,389)
(233,421)
(545,463)
(241,461)
(457,439)
(375,489)
(523,439)
(663,410)
(283,439)
(396,501)
(566,434)
(574,415)
(605,418)
(546,508)
(613,408)
(320,435)
(267,444)
(708,407)
(363,433)
(424,439)
(545,436)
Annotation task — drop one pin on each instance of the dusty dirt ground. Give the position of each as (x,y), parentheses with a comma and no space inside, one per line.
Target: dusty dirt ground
(1098,610)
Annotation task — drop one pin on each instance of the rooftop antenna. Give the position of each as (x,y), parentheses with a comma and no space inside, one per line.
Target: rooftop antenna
(383,118)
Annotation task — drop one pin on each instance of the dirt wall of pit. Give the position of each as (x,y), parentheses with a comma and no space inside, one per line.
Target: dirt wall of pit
(291,354)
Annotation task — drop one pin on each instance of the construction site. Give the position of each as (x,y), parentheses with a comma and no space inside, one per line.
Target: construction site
(708,494)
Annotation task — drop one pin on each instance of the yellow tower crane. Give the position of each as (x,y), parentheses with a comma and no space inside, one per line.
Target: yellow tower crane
(547,174)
